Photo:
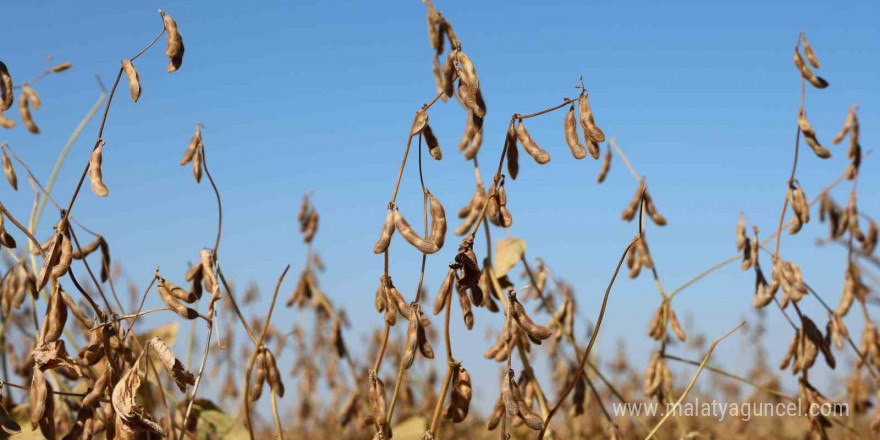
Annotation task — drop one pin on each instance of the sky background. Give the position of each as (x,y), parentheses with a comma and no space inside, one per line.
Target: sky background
(297,96)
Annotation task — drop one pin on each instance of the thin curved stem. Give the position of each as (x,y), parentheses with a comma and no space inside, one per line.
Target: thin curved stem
(247,380)
(693,380)
(589,348)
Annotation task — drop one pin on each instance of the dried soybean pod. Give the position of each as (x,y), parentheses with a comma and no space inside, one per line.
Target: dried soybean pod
(50,261)
(531,419)
(105,261)
(507,386)
(474,209)
(411,236)
(433,144)
(389,300)
(630,211)
(257,387)
(466,209)
(387,231)
(445,291)
(437,70)
(273,376)
(25,113)
(96,177)
(400,303)
(31,96)
(817,148)
(79,254)
(197,164)
(65,257)
(47,423)
(810,136)
(676,327)
(76,310)
(495,417)
(134,81)
(419,123)
(468,73)
(409,345)
(476,138)
(450,34)
(173,304)
(655,329)
(438,222)
(194,144)
(6,122)
(435,36)
(460,397)
(465,303)
(174,44)
(380,295)
(870,238)
(593,148)
(449,74)
(512,152)
(56,316)
(591,131)
(422,339)
(656,217)
(37,397)
(799,205)
(606,165)
(9,171)
(536,332)
(174,290)
(505,220)
(571,135)
(847,126)
(94,395)
(468,135)
(6,96)
(311,227)
(808,51)
(194,272)
(377,400)
(58,68)
(817,81)
(530,145)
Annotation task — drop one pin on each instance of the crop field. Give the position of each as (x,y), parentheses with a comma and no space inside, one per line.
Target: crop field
(601,327)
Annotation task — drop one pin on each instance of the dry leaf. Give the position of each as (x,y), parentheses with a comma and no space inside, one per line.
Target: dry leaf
(508,252)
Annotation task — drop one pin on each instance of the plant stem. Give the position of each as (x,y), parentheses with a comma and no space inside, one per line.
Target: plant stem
(693,380)
(586,354)
(435,421)
(259,345)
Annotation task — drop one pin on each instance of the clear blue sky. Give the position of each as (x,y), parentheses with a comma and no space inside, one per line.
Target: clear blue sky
(300,96)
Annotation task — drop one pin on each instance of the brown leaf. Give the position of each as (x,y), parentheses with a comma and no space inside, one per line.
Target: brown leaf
(172,365)
(508,252)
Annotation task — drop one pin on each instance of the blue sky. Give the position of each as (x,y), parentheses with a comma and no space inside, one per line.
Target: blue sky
(319,96)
